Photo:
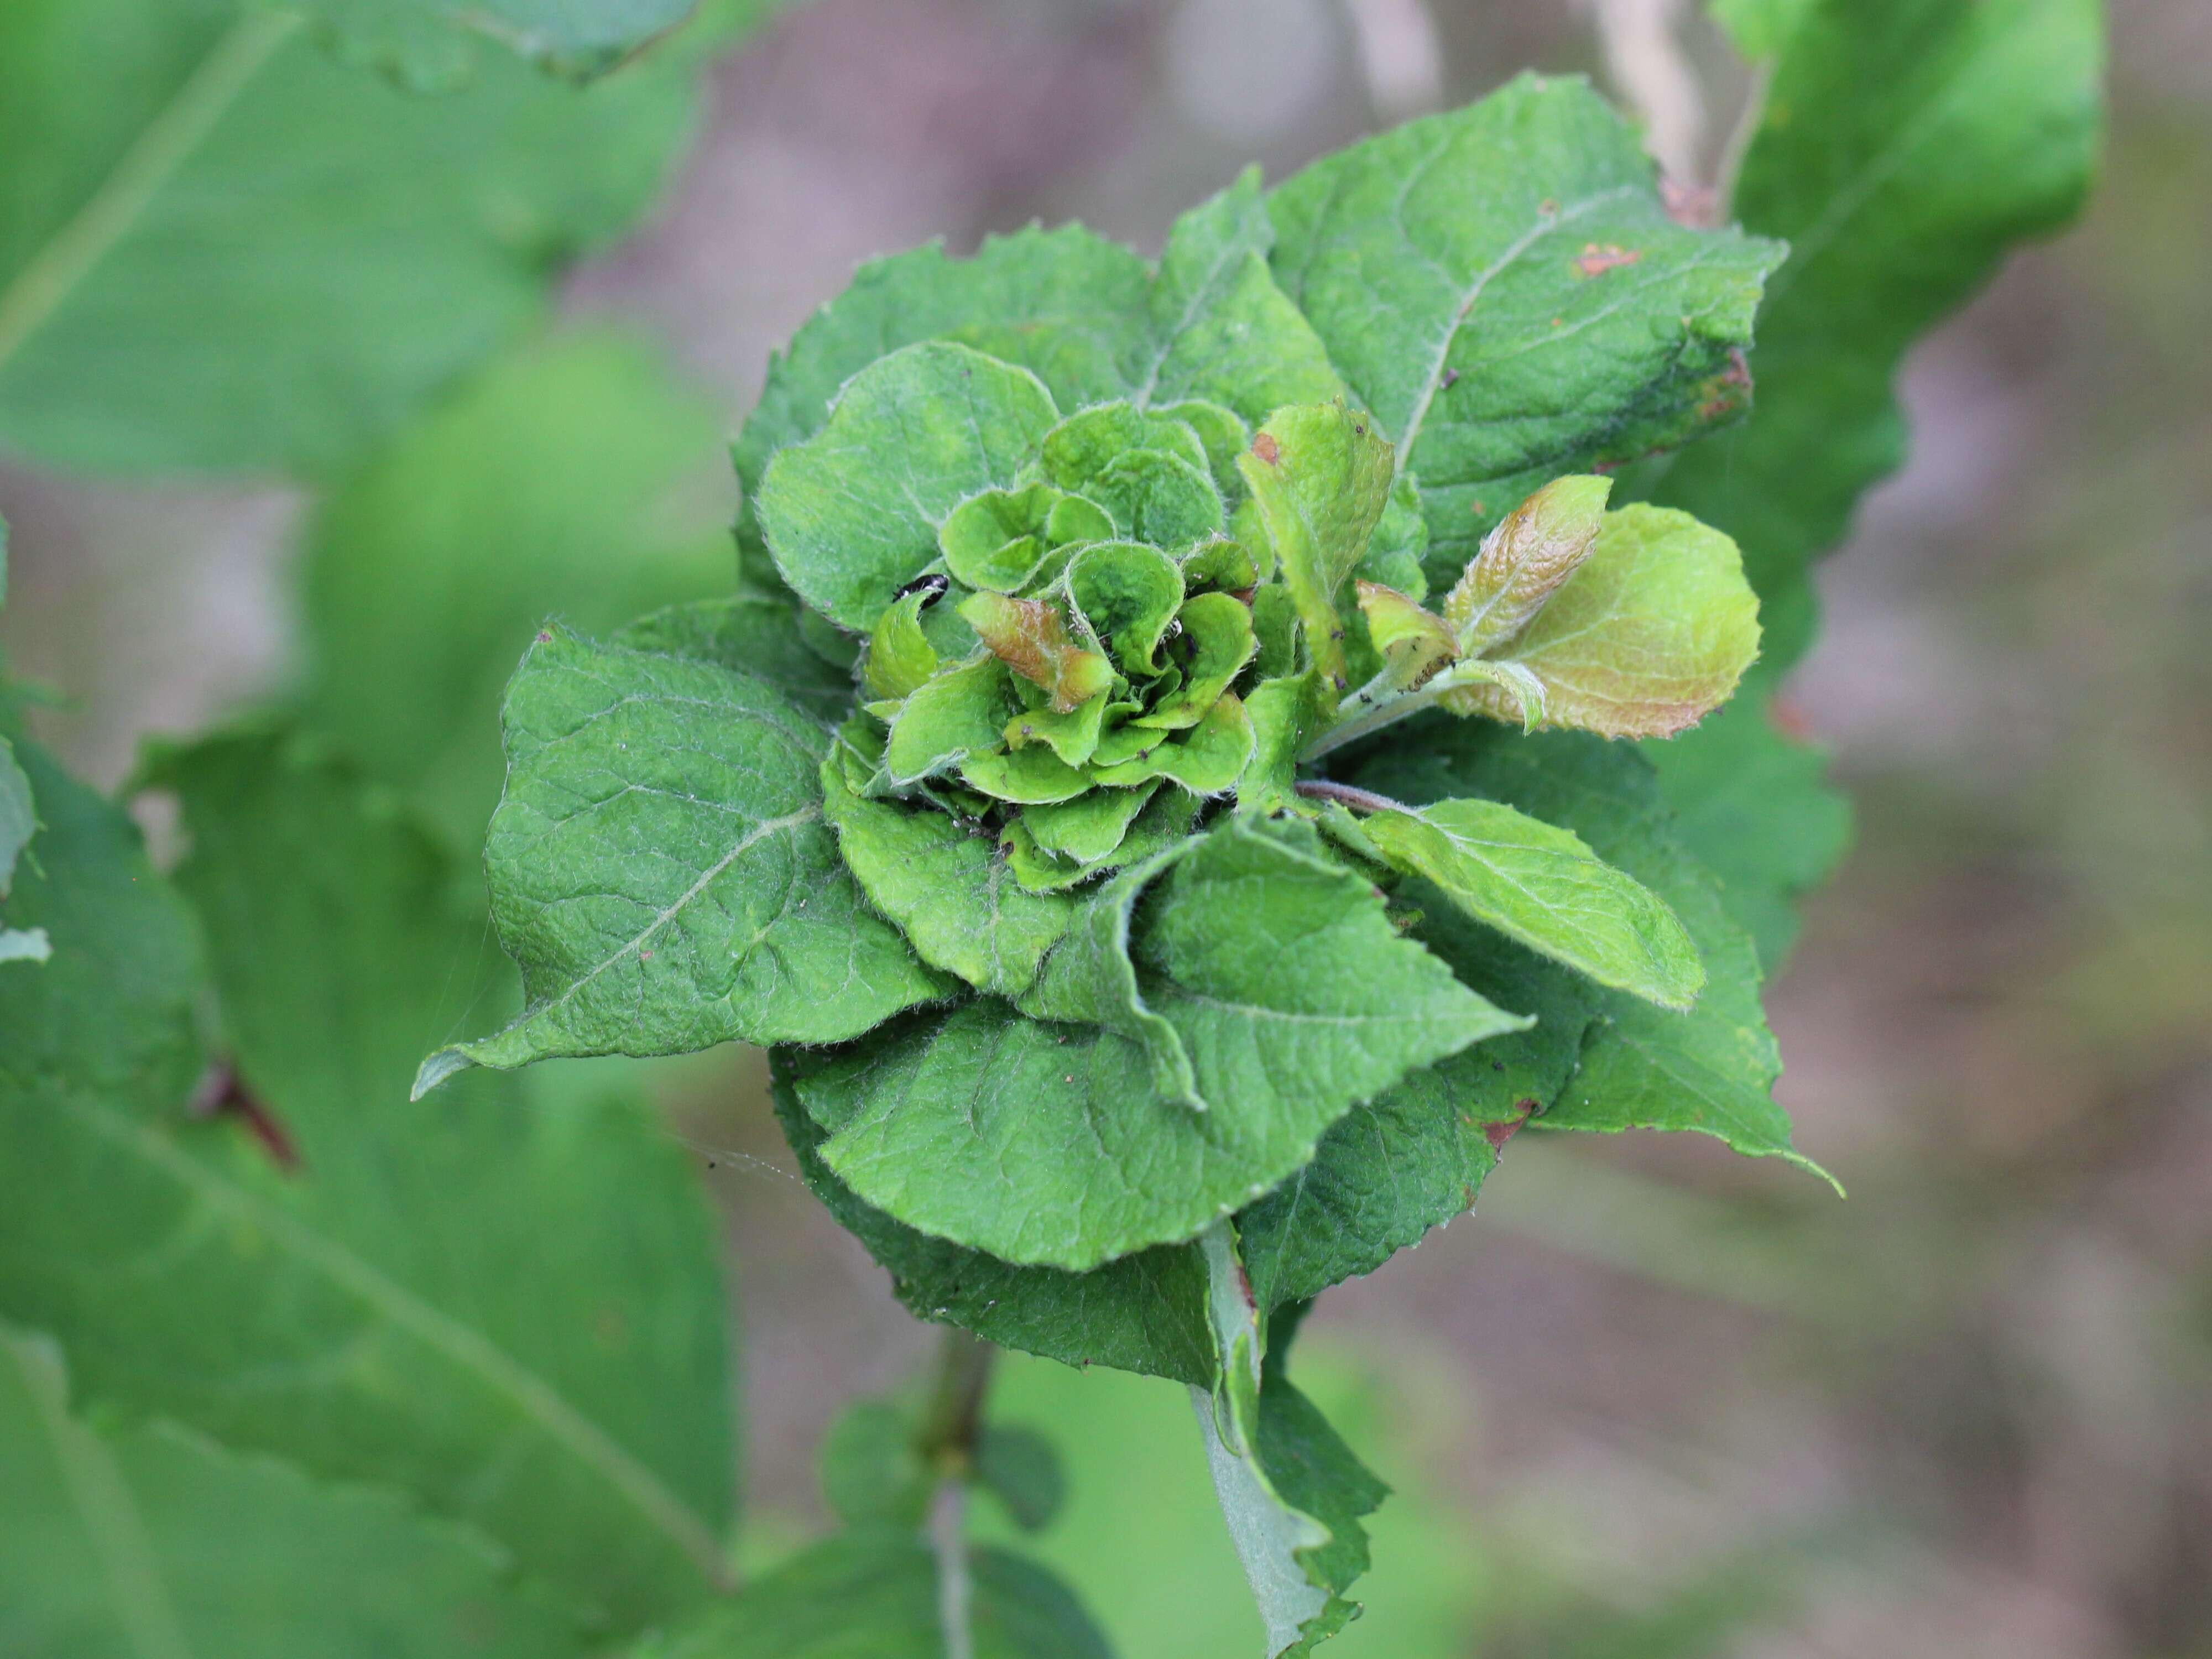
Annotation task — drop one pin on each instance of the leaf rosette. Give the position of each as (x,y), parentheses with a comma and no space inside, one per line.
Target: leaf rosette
(1159,907)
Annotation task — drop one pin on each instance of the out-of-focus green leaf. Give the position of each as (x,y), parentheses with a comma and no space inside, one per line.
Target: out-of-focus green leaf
(548,486)
(871,1465)
(1750,802)
(852,514)
(1905,147)
(663,872)
(510,1312)
(221,250)
(153,1542)
(432,44)
(1144,1313)
(874,1593)
(1502,288)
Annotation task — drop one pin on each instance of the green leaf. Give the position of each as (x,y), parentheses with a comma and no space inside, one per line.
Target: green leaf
(1750,804)
(876,1592)
(1001,540)
(871,1465)
(1320,476)
(662,872)
(1217,629)
(1285,1008)
(550,484)
(1525,560)
(1068,1146)
(1143,1313)
(431,44)
(1222,330)
(1541,885)
(1292,1493)
(19,815)
(1710,1070)
(1127,594)
(1021,1468)
(1758,28)
(1905,147)
(1414,1157)
(1165,820)
(155,1541)
(220,249)
(750,633)
(352,1305)
(901,658)
(1088,828)
(946,886)
(1650,634)
(1502,288)
(1208,759)
(852,514)
(962,710)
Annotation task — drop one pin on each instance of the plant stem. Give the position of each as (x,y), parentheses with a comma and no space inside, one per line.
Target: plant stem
(108,214)
(949,1434)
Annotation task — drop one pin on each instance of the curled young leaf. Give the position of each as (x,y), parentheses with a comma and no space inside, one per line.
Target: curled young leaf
(1524,561)
(1413,643)
(1030,637)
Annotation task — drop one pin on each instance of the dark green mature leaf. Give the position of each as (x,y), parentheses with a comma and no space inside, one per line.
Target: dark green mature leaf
(851,514)
(1905,147)
(547,486)
(1144,1313)
(1282,1010)
(1712,1069)
(874,1593)
(662,870)
(1221,330)
(1414,1157)
(1750,803)
(753,633)
(510,1311)
(431,44)
(1502,288)
(153,1541)
(220,249)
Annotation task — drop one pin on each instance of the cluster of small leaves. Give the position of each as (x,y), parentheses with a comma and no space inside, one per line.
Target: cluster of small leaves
(1162,907)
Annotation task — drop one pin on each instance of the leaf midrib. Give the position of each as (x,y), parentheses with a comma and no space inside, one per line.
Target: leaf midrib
(201,99)
(536,1398)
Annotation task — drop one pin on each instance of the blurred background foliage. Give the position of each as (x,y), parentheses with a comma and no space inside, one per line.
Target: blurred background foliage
(1648,1401)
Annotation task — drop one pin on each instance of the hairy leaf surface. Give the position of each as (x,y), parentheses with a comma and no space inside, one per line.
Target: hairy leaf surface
(662,870)
(1502,288)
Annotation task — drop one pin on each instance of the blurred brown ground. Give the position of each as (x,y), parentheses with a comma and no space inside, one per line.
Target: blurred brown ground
(1977,1392)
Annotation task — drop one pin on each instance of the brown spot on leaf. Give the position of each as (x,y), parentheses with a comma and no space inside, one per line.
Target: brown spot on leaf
(1596,258)
(1498,1133)
(1452,378)
(223,1093)
(1267,448)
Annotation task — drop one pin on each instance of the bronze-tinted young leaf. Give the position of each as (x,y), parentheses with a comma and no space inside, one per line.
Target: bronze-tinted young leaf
(1650,635)
(1030,637)
(1524,561)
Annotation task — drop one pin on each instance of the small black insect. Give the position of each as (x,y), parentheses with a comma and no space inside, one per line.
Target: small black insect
(932,583)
